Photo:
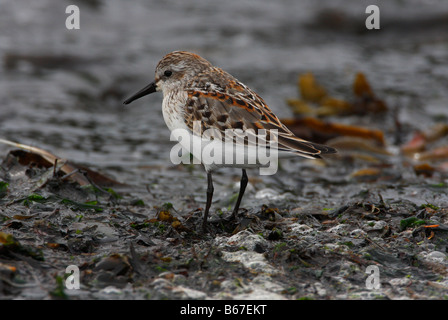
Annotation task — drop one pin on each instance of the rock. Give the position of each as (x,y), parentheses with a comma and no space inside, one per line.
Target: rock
(242,239)
(184,293)
(435,256)
(374,225)
(265,281)
(320,290)
(300,229)
(357,233)
(400,282)
(251,260)
(340,229)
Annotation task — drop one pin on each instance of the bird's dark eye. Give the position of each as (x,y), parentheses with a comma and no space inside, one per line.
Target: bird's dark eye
(168,73)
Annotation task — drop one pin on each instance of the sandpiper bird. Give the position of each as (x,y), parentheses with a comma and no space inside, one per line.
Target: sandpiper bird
(199,97)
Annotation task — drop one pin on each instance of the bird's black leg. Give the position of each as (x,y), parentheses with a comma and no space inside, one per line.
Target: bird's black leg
(243,185)
(209,200)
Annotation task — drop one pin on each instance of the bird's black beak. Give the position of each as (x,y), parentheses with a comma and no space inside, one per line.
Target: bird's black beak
(150,88)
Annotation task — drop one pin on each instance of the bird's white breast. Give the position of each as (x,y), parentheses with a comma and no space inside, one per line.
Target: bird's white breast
(173,109)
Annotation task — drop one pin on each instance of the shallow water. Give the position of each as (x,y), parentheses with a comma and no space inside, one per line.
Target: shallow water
(62,90)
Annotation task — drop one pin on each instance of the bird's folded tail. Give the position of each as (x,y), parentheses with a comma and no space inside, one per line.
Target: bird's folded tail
(293,144)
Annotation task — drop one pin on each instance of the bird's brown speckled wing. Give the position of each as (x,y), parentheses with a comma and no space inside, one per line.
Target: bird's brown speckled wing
(238,107)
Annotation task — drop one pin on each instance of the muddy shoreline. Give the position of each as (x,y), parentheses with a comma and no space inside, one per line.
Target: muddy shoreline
(105,198)
(126,248)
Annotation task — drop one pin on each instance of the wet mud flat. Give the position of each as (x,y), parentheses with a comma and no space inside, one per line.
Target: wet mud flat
(375,239)
(375,214)
(368,223)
